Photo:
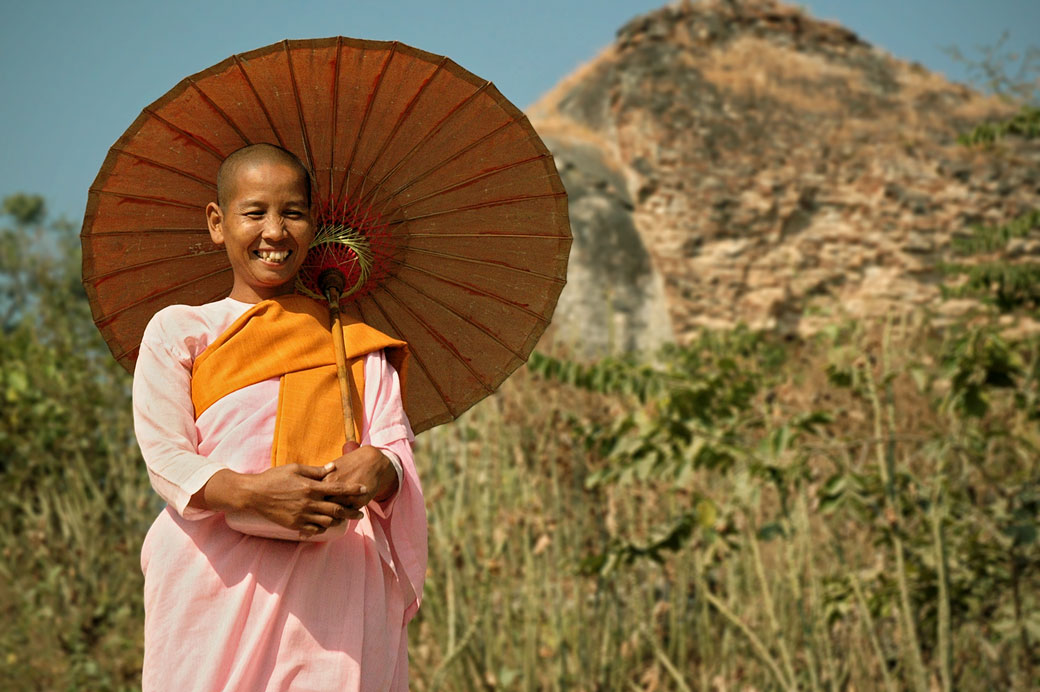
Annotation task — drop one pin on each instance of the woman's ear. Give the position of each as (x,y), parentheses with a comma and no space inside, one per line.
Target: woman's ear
(215,221)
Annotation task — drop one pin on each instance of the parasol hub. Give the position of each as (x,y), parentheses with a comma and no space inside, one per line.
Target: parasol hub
(332,282)
(351,239)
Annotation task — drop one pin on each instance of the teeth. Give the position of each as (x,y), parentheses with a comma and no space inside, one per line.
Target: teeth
(277,256)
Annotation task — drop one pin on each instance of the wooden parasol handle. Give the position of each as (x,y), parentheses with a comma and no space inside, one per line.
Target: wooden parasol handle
(332,282)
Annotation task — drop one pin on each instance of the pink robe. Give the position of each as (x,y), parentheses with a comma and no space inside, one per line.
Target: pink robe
(226,611)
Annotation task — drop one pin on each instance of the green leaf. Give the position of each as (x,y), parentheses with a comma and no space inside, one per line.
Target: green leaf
(771,530)
(707,513)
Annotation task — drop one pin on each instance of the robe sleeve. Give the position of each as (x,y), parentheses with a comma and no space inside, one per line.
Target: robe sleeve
(164,418)
(385,419)
(401,518)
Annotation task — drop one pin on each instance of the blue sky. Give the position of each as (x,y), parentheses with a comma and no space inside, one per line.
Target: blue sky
(75,74)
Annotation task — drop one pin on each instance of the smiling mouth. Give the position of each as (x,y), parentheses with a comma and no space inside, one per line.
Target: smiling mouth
(273,256)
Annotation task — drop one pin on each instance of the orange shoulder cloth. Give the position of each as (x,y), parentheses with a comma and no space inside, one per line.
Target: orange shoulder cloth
(289,337)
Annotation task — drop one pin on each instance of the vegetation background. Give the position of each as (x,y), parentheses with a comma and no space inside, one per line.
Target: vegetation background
(854,511)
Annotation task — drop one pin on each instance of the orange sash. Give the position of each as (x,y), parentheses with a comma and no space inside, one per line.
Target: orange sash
(289,337)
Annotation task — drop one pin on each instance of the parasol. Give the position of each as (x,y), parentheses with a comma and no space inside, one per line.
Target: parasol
(436,181)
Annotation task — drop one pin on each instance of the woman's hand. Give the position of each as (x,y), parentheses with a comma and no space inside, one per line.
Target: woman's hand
(365,468)
(293,496)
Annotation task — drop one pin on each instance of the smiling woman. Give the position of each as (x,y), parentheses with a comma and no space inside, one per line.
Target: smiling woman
(228,406)
(263,219)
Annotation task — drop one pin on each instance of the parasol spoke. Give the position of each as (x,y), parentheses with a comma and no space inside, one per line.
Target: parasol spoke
(144,231)
(401,119)
(416,357)
(468,181)
(479,205)
(470,260)
(172,289)
(473,289)
(259,101)
(299,107)
(133,352)
(448,346)
(218,110)
(466,318)
(204,145)
(345,183)
(151,263)
(437,166)
(453,113)
(146,198)
(172,169)
(334,114)
(136,347)
(491,234)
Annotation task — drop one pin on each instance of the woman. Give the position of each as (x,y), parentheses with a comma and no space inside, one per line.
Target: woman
(233,610)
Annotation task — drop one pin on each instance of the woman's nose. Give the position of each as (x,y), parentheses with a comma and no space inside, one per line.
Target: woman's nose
(274,228)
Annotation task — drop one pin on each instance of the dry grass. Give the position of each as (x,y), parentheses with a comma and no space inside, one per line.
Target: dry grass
(774,590)
(818,608)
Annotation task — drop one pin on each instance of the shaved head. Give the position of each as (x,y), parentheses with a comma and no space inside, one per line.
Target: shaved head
(252,155)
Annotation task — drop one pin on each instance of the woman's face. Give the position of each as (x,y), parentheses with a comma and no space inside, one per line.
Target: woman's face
(266,227)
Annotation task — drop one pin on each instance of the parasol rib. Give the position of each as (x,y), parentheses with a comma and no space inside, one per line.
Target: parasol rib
(458,108)
(137,347)
(466,318)
(364,118)
(529,236)
(468,181)
(415,357)
(166,167)
(479,205)
(259,101)
(135,350)
(429,171)
(333,125)
(150,263)
(486,294)
(486,263)
(145,198)
(206,146)
(299,106)
(444,342)
(177,287)
(401,119)
(219,111)
(146,231)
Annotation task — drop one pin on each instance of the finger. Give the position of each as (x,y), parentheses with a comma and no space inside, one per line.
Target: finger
(333,488)
(353,513)
(355,500)
(310,531)
(313,472)
(337,511)
(349,510)
(322,521)
(349,514)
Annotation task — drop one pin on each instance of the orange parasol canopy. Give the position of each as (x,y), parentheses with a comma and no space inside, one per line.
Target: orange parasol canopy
(461,200)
